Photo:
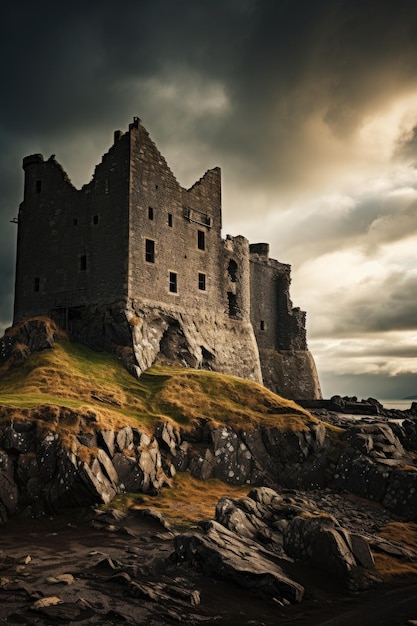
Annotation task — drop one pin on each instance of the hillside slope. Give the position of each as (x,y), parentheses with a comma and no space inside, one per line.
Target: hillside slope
(74,376)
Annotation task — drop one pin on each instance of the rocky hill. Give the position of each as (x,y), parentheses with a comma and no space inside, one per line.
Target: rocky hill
(77,431)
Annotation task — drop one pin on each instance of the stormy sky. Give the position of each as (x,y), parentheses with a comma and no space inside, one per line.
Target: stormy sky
(310,109)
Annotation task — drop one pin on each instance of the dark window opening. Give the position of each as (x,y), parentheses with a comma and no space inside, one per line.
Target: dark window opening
(150,212)
(202,282)
(75,221)
(149,250)
(95,219)
(201,239)
(173,285)
(170,219)
(263,325)
(232,270)
(38,186)
(156,186)
(233,308)
(37,284)
(83,262)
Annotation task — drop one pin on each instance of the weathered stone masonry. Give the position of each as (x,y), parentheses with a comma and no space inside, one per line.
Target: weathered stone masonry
(134,260)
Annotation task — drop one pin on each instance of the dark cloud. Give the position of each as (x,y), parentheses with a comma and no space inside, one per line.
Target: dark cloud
(275,92)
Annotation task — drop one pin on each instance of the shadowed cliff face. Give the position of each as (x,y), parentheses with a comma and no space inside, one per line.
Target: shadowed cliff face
(144,335)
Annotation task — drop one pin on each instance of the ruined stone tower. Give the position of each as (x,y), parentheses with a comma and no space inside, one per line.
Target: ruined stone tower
(134,263)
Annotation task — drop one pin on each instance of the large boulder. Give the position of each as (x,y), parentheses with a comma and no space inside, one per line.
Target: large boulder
(323,543)
(26,337)
(219,552)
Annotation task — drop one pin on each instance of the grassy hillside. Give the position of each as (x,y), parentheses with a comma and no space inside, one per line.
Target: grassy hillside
(95,383)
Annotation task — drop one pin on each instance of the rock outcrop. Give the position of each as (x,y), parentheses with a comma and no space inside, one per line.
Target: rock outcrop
(27,337)
(40,473)
(253,540)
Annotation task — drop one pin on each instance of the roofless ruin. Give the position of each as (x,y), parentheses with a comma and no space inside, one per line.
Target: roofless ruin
(134,263)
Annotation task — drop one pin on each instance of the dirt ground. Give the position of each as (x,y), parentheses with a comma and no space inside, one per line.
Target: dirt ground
(99,571)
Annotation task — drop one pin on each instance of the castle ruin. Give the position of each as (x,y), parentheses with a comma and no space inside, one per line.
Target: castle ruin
(134,263)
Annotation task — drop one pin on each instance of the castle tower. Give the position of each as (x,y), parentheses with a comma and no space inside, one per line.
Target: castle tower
(134,263)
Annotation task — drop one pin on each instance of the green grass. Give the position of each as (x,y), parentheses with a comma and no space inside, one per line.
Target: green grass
(73,376)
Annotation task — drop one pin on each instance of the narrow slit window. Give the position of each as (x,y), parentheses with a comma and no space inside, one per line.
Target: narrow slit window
(75,221)
(232,302)
(95,219)
(150,213)
(232,270)
(201,281)
(38,186)
(170,219)
(173,282)
(83,262)
(201,240)
(37,284)
(149,251)
(263,325)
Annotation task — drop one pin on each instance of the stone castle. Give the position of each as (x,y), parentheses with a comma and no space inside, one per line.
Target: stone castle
(134,263)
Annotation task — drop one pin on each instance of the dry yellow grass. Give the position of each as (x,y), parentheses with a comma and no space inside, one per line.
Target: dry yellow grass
(188,500)
(99,393)
(403,534)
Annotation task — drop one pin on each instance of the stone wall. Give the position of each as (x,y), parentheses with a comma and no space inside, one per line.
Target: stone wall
(134,245)
(69,241)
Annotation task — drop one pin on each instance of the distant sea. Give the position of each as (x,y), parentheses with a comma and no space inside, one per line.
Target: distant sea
(397,404)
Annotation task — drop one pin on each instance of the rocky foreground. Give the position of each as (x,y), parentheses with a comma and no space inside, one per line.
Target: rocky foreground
(269,558)
(326,533)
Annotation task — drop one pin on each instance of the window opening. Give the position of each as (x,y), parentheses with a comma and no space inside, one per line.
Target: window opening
(201,239)
(202,281)
(263,325)
(232,270)
(38,186)
(170,219)
(75,221)
(150,212)
(149,251)
(173,285)
(232,301)
(95,219)
(36,284)
(83,262)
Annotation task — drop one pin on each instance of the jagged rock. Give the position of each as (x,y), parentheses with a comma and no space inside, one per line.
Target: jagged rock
(406,431)
(107,467)
(202,467)
(244,523)
(320,541)
(106,439)
(218,552)
(362,475)
(19,437)
(233,459)
(375,440)
(169,436)
(25,338)
(401,493)
(130,475)
(124,438)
